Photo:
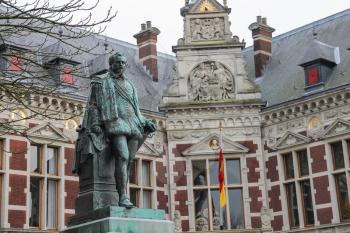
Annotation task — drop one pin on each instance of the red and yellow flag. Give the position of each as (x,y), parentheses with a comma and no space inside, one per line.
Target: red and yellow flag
(221,174)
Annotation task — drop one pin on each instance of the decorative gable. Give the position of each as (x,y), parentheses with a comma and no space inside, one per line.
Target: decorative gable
(209,146)
(149,150)
(338,127)
(291,139)
(207,6)
(47,131)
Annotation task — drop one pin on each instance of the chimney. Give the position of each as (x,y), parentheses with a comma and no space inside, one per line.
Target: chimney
(147,43)
(262,36)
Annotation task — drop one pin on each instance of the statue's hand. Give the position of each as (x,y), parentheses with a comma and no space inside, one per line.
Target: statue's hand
(96,129)
(149,126)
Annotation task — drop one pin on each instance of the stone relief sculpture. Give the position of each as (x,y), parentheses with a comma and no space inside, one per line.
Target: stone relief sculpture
(210,81)
(177,221)
(207,29)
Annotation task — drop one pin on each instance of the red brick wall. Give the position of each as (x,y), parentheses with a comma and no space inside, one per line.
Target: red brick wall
(322,195)
(17,159)
(162,201)
(274,195)
(180,168)
(69,156)
(250,145)
(256,222)
(161,172)
(180,148)
(262,45)
(255,204)
(72,190)
(260,61)
(181,196)
(185,224)
(262,31)
(17,218)
(152,66)
(17,196)
(272,172)
(66,218)
(319,163)
(325,215)
(277,223)
(150,49)
(146,36)
(252,164)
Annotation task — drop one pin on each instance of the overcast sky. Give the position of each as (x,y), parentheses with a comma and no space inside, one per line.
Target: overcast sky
(283,15)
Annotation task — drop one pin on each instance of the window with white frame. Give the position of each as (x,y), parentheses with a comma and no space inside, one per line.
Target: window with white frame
(298,188)
(207,211)
(341,168)
(44,179)
(141,183)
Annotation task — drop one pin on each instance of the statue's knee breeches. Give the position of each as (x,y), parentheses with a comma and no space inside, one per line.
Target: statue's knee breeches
(119,146)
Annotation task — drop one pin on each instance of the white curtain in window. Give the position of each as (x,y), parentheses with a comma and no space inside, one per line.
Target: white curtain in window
(146,166)
(147,199)
(51,161)
(51,204)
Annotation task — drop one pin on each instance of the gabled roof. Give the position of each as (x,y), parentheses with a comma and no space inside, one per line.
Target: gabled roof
(283,79)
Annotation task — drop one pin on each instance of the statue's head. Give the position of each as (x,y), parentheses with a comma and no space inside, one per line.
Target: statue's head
(117,63)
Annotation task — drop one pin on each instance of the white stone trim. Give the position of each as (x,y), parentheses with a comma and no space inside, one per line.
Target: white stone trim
(17,207)
(148,57)
(262,52)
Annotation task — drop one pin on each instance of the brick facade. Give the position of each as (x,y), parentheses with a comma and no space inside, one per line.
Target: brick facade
(322,195)
(271,166)
(18,150)
(72,190)
(274,195)
(325,215)
(17,218)
(255,204)
(18,184)
(319,163)
(252,165)
(69,156)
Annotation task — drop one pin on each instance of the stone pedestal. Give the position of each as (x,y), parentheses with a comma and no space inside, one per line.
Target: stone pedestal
(115,219)
(96,183)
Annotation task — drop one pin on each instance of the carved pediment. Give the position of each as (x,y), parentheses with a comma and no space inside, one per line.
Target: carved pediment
(204,147)
(207,6)
(47,131)
(338,127)
(291,139)
(149,150)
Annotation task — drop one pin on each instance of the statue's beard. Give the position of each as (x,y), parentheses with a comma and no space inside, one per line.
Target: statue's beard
(117,71)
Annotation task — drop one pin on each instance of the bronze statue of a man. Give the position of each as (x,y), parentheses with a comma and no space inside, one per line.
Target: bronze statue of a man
(113,119)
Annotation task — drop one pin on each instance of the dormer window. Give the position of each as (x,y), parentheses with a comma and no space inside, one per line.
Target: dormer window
(60,63)
(67,75)
(312,76)
(15,64)
(318,63)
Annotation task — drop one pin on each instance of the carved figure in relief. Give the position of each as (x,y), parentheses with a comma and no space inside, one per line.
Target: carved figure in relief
(210,81)
(218,29)
(177,221)
(196,29)
(207,29)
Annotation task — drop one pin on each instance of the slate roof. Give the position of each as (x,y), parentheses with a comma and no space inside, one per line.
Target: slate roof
(96,58)
(284,78)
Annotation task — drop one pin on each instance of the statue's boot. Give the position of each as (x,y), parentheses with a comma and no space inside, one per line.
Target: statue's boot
(125,202)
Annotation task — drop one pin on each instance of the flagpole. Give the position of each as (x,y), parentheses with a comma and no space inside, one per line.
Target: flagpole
(221,208)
